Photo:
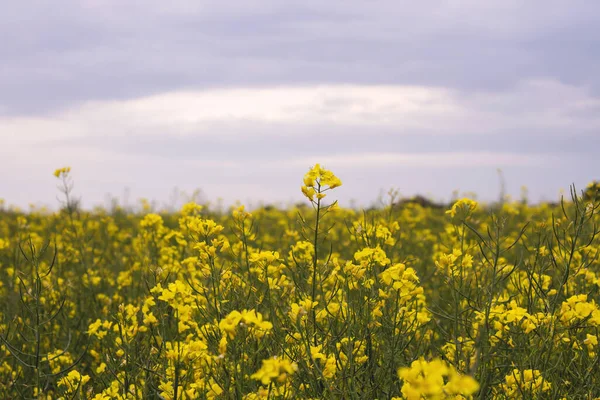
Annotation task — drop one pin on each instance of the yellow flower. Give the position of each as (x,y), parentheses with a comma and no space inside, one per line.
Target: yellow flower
(240,213)
(101,368)
(330,367)
(434,380)
(274,369)
(190,209)
(463,208)
(529,381)
(309,192)
(223,345)
(62,172)
(230,323)
(251,320)
(591,340)
(368,255)
(73,381)
(318,180)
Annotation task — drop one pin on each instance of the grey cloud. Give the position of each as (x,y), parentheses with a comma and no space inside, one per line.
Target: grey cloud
(58,55)
(282,142)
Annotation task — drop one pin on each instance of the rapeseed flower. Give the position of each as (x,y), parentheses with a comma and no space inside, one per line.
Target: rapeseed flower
(434,380)
(462,208)
(275,370)
(317,181)
(62,172)
(520,382)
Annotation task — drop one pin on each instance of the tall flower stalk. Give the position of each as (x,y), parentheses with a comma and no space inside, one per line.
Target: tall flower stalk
(317,182)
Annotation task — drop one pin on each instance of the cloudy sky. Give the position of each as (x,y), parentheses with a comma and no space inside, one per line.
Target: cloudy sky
(238,99)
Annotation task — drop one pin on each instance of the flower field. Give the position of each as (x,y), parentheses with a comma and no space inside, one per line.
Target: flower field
(315,301)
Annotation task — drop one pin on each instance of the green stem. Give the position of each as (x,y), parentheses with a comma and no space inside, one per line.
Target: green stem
(315,258)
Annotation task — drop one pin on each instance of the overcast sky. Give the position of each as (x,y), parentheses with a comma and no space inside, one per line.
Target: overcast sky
(239,99)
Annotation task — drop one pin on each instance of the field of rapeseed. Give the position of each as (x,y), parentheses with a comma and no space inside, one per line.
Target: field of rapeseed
(316,301)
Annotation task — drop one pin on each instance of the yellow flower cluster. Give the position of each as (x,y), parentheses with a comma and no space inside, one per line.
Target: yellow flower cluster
(73,382)
(62,172)
(250,320)
(577,309)
(435,380)
(274,369)
(462,209)
(317,181)
(519,384)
